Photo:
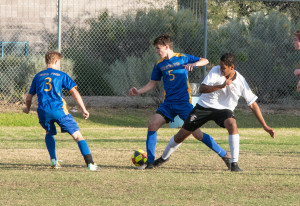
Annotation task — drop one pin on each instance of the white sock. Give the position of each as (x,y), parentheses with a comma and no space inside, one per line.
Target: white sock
(234,144)
(171,147)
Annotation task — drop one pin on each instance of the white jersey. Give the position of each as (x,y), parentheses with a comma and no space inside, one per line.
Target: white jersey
(226,98)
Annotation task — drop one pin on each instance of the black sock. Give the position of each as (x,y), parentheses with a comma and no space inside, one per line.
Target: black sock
(88,159)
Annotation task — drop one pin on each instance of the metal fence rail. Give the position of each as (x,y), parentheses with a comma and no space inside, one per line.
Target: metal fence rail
(107,45)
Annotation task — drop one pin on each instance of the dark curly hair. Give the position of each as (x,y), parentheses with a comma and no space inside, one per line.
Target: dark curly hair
(228,59)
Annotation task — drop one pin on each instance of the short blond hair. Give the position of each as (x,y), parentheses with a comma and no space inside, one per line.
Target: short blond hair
(52,56)
(297,34)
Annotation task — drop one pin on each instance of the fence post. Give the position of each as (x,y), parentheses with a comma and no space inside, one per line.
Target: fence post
(59,27)
(205,35)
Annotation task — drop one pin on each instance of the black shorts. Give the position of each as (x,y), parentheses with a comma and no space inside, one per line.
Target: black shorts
(200,115)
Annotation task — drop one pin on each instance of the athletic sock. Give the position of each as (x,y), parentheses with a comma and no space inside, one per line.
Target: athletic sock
(210,142)
(85,151)
(50,144)
(171,147)
(150,144)
(234,144)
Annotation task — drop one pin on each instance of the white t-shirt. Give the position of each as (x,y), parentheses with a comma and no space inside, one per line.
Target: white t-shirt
(226,98)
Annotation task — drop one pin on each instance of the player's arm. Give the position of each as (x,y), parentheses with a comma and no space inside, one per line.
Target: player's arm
(150,85)
(78,99)
(200,63)
(256,110)
(297,72)
(208,89)
(28,102)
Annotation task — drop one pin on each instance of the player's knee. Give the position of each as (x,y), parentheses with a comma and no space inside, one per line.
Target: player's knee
(153,126)
(77,136)
(230,124)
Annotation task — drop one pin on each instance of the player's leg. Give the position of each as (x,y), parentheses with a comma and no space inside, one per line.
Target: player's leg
(50,144)
(156,122)
(68,124)
(213,145)
(234,143)
(50,128)
(202,115)
(177,139)
(85,151)
(172,146)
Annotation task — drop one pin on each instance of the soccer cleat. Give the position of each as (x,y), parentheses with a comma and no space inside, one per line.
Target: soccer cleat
(145,166)
(142,167)
(150,166)
(235,167)
(55,164)
(93,167)
(160,161)
(226,159)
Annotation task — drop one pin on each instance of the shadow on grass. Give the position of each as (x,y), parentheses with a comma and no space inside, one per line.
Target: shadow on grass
(46,167)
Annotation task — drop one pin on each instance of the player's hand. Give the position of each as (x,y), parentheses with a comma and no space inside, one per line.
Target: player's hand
(226,83)
(85,114)
(133,91)
(26,110)
(270,131)
(189,67)
(297,72)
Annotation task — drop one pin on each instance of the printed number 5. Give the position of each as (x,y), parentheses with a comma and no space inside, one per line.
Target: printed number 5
(173,76)
(48,83)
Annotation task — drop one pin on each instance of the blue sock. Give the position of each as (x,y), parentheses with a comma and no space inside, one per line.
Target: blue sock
(150,144)
(210,142)
(50,143)
(84,148)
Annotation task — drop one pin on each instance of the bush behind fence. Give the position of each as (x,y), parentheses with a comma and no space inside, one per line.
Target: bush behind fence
(108,54)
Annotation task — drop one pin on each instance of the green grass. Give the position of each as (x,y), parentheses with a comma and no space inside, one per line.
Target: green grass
(194,176)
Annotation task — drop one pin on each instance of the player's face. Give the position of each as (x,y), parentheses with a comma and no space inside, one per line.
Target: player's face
(296,42)
(162,50)
(226,70)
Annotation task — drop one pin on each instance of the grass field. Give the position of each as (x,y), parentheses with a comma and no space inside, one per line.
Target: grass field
(194,175)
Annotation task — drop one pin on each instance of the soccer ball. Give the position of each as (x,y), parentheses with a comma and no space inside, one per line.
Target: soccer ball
(139,157)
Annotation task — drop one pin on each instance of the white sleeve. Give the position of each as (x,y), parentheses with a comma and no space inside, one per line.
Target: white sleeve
(212,76)
(249,96)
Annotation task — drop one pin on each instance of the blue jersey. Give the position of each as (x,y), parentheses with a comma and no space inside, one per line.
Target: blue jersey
(175,77)
(48,85)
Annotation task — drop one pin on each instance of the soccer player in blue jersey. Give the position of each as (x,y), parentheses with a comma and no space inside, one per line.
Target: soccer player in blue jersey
(48,85)
(173,68)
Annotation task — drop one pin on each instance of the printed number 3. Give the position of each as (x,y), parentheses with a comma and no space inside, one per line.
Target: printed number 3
(172,75)
(48,83)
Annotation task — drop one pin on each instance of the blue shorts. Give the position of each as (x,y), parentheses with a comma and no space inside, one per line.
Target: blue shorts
(170,110)
(66,123)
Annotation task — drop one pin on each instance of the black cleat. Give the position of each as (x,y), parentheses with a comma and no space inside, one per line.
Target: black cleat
(235,167)
(226,159)
(160,161)
(145,166)
(149,166)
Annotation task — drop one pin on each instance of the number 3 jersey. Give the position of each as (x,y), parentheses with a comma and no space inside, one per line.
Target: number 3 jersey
(48,85)
(175,77)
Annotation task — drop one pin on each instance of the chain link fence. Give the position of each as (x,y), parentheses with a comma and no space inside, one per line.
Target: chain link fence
(107,44)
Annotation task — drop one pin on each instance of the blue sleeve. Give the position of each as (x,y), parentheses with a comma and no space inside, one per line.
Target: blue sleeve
(192,59)
(156,74)
(32,89)
(68,83)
